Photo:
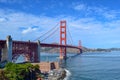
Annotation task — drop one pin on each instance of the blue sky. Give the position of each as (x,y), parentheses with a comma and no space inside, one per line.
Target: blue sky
(95,22)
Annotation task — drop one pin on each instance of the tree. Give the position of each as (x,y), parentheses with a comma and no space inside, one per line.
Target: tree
(2,75)
(21,71)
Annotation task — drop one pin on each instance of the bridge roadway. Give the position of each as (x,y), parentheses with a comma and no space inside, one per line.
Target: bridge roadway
(41,44)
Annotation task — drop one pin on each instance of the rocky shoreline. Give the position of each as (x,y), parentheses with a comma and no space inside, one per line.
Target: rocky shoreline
(57,74)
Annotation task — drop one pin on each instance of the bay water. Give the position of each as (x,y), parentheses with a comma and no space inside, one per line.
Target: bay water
(90,66)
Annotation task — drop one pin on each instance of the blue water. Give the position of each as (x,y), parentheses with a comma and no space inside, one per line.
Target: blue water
(95,66)
(91,66)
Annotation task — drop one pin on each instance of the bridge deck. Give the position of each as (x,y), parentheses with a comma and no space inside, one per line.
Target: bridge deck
(42,44)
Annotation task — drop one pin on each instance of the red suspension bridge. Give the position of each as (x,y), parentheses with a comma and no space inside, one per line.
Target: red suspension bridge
(10,50)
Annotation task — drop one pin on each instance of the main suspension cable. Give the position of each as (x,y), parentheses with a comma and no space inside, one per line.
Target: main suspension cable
(50,34)
(46,32)
(70,35)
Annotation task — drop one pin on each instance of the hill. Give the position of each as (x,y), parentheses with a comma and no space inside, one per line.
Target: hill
(71,50)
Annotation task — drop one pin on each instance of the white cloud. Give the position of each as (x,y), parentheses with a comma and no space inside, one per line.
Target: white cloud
(109,15)
(80,7)
(105,12)
(28,30)
(96,10)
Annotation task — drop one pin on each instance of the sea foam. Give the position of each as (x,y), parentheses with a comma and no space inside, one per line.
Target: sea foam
(68,74)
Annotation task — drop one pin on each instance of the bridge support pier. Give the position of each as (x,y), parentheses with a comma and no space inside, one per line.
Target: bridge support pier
(9,48)
(38,50)
(6,51)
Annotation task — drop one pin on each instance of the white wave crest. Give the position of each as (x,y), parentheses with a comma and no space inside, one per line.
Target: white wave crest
(68,74)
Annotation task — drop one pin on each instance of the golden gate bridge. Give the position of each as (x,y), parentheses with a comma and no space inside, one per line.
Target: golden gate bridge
(10,49)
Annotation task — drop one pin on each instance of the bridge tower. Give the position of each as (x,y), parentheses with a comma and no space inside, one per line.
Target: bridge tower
(80,46)
(63,39)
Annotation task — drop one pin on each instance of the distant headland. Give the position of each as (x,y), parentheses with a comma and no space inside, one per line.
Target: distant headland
(85,49)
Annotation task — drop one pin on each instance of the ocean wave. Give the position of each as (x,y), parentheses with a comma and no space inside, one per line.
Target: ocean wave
(68,74)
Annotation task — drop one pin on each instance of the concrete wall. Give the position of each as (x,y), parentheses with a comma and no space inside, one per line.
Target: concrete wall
(47,66)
